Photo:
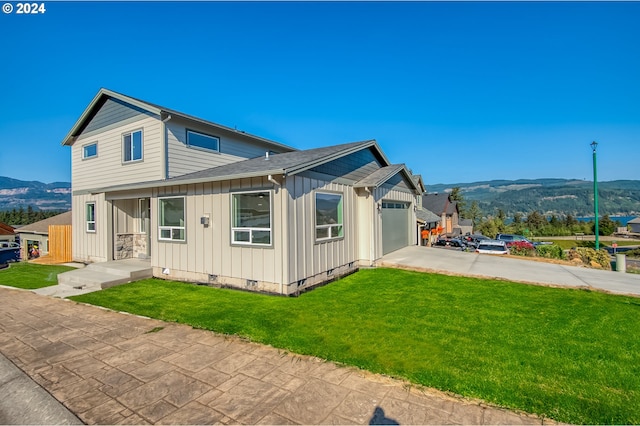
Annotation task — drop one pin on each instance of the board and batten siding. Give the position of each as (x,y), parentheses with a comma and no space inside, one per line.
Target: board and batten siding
(90,246)
(183,159)
(382,194)
(207,250)
(107,168)
(308,258)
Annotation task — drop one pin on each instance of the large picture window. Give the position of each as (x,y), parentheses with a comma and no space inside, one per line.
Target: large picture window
(251,218)
(132,146)
(200,140)
(329,213)
(171,221)
(90,217)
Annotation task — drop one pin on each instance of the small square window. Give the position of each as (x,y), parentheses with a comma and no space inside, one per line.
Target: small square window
(90,150)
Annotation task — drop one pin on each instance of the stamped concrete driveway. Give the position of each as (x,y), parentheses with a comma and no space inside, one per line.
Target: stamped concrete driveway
(513,269)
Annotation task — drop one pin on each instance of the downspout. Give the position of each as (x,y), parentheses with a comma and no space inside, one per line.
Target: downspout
(165,158)
(373,217)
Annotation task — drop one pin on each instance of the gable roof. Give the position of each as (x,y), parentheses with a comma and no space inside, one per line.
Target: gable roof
(42,226)
(417,179)
(634,221)
(164,113)
(383,174)
(437,203)
(6,229)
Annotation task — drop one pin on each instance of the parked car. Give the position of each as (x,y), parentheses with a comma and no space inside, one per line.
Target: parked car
(492,247)
(509,239)
(451,242)
(474,239)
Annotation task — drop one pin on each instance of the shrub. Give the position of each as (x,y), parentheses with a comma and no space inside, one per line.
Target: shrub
(592,258)
(552,251)
(522,248)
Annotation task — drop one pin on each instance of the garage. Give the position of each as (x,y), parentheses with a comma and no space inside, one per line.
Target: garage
(395,225)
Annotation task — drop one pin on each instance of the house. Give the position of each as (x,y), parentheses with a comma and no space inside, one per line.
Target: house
(634,225)
(7,233)
(36,235)
(466,226)
(209,204)
(446,209)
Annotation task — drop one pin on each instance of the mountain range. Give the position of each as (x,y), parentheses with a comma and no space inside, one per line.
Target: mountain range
(16,193)
(547,196)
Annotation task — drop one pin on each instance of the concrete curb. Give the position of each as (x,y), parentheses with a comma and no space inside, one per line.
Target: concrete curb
(24,402)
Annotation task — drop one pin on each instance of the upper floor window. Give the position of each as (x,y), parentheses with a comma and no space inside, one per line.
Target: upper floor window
(132,146)
(251,218)
(329,213)
(90,216)
(200,140)
(171,220)
(90,150)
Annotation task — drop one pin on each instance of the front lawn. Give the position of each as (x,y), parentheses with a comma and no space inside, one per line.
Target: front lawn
(31,276)
(571,355)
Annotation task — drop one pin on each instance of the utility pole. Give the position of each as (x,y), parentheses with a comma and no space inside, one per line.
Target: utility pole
(594,145)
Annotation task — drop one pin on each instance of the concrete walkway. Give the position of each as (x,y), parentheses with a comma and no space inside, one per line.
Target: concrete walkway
(114,368)
(513,269)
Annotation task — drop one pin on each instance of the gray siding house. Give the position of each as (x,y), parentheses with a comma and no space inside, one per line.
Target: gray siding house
(206,203)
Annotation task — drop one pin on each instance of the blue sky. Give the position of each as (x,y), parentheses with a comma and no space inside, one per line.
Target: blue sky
(458,91)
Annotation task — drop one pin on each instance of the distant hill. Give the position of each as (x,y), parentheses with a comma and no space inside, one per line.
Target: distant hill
(550,196)
(16,193)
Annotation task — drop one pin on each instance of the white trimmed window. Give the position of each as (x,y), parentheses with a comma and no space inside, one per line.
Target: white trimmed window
(171,221)
(251,218)
(329,214)
(200,140)
(132,146)
(90,216)
(90,150)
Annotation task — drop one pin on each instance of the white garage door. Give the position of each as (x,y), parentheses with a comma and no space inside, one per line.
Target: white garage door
(395,225)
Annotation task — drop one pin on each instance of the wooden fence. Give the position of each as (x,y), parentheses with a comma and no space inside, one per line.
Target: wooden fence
(60,243)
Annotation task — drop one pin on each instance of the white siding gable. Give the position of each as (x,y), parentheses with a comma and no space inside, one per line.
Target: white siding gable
(107,167)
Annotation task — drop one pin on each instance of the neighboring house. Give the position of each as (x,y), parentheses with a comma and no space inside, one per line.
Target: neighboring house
(446,209)
(466,226)
(206,203)
(36,235)
(7,233)
(634,225)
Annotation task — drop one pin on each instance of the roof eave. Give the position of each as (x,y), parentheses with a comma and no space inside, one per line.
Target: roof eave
(172,182)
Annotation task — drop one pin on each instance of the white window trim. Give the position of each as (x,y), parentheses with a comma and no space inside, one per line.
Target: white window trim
(251,229)
(330,226)
(86,145)
(141,146)
(171,228)
(200,147)
(86,219)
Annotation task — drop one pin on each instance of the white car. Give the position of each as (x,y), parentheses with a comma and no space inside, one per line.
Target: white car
(492,247)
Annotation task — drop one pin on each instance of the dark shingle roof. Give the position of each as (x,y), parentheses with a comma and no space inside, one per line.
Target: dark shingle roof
(277,164)
(102,94)
(380,176)
(424,215)
(436,203)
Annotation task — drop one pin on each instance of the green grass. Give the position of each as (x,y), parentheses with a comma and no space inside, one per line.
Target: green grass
(31,276)
(570,355)
(568,244)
